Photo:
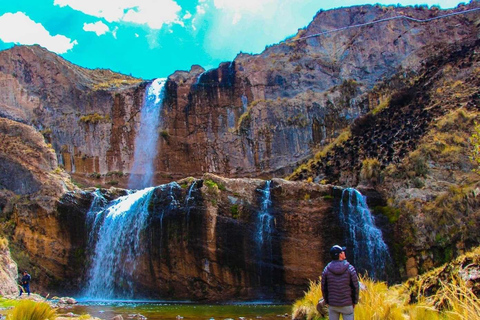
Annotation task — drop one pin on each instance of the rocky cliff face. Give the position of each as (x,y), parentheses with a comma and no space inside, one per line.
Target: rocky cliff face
(200,239)
(8,271)
(30,185)
(414,148)
(261,114)
(409,91)
(84,114)
(258,115)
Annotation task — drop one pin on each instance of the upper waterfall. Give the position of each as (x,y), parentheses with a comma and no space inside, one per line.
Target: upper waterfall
(142,171)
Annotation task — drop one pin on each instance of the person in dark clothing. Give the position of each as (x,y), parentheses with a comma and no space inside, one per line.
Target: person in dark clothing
(340,286)
(25,283)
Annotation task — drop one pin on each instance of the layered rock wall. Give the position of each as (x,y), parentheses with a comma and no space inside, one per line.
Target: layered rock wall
(259,115)
(199,242)
(8,271)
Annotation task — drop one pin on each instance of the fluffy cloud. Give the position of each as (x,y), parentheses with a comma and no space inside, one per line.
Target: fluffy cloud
(20,29)
(154,13)
(98,27)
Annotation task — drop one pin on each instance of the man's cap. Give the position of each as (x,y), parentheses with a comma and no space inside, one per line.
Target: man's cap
(336,250)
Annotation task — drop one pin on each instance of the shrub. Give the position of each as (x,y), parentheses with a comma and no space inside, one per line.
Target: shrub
(211,184)
(31,310)
(94,118)
(234,211)
(3,243)
(370,170)
(164,134)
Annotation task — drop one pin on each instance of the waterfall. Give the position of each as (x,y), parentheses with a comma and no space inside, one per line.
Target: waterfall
(189,198)
(365,244)
(244,103)
(141,174)
(263,239)
(199,78)
(115,243)
(264,220)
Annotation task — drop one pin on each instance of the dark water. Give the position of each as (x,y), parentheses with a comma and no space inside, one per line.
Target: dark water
(185,311)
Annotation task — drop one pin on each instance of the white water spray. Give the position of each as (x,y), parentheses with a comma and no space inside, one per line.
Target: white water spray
(364,239)
(116,244)
(141,174)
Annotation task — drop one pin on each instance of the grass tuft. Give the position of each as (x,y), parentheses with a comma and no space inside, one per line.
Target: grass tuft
(31,310)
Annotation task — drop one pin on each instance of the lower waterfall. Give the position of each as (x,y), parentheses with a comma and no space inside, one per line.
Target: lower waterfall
(365,246)
(115,240)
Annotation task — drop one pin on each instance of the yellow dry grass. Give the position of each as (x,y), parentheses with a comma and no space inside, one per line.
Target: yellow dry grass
(453,301)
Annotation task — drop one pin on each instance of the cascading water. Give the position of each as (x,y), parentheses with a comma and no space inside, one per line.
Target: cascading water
(116,244)
(263,237)
(188,199)
(265,220)
(244,103)
(364,239)
(141,175)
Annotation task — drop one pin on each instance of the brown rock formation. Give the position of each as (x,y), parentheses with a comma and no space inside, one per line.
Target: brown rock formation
(415,143)
(200,249)
(256,116)
(31,184)
(8,271)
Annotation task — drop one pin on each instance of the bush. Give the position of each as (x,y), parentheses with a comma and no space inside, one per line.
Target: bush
(3,243)
(370,171)
(31,310)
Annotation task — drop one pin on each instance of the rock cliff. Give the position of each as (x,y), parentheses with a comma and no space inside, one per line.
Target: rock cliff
(414,148)
(387,107)
(256,116)
(31,184)
(200,240)
(8,271)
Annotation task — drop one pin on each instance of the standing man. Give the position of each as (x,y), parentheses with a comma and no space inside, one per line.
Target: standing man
(340,285)
(25,283)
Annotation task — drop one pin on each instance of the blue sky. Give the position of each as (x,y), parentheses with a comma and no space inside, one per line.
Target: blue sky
(153,38)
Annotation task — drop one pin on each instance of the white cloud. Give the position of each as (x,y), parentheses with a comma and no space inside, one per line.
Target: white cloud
(98,27)
(18,28)
(154,13)
(187,16)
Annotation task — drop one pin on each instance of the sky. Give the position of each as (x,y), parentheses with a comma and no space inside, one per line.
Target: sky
(153,38)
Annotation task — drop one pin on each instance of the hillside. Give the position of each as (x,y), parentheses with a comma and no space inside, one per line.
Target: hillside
(385,107)
(257,116)
(413,147)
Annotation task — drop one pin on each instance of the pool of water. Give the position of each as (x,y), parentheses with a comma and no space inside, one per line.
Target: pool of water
(178,311)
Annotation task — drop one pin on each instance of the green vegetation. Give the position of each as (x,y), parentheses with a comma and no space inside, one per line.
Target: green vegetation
(475,151)
(7,303)
(115,173)
(3,243)
(371,170)
(115,83)
(440,294)
(31,310)
(164,134)
(234,211)
(94,118)
(319,156)
(211,184)
(95,175)
(384,103)
(390,212)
